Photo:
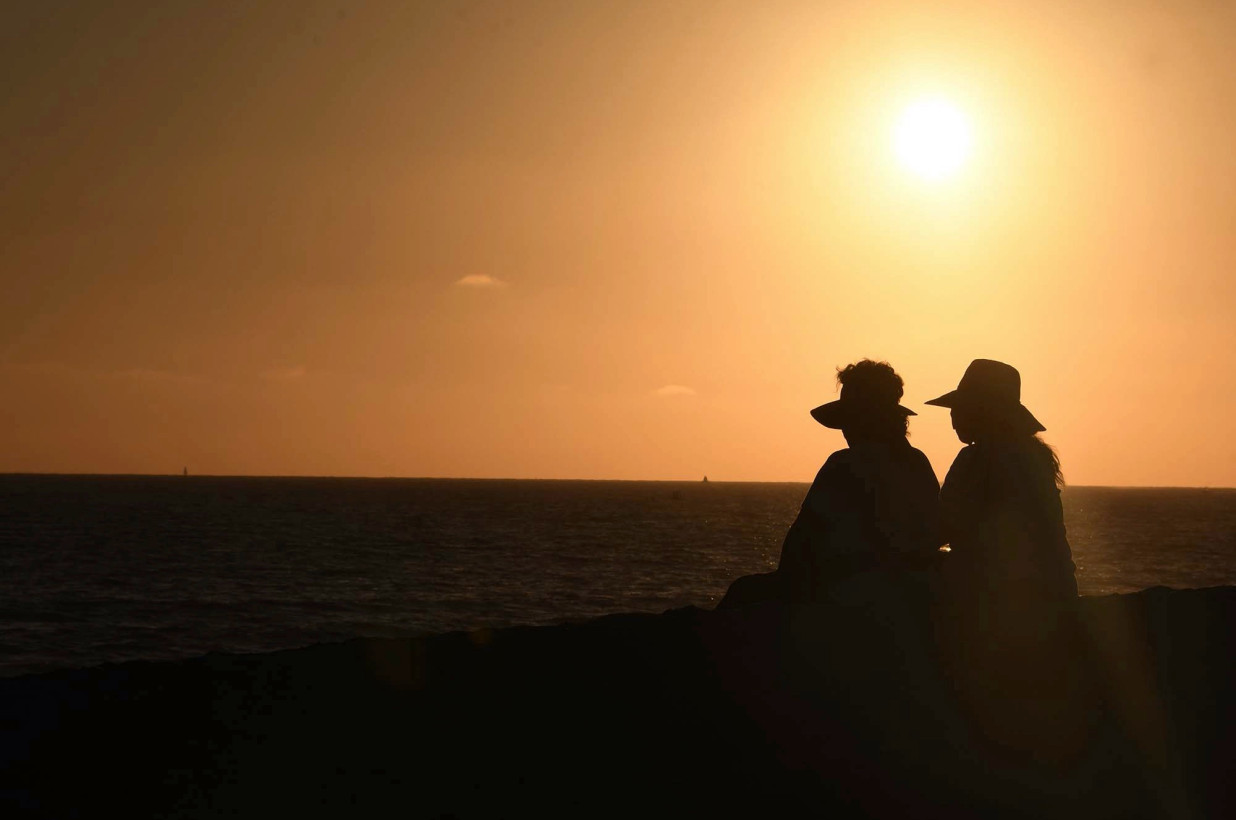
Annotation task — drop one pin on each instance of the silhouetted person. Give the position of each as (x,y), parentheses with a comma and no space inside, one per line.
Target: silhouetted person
(1000,503)
(873,505)
(1006,622)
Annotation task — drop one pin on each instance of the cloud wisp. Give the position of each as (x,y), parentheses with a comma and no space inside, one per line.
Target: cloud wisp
(479,280)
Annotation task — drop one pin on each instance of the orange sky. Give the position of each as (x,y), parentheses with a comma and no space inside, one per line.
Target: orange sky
(605,239)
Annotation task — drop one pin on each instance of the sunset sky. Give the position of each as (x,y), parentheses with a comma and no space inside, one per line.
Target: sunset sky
(606,239)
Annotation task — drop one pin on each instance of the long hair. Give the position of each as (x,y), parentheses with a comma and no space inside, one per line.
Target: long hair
(1050,458)
(976,423)
(1012,430)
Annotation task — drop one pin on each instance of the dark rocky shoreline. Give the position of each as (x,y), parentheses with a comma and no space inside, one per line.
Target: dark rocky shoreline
(834,711)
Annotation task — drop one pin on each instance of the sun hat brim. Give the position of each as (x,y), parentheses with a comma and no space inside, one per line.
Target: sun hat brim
(949,399)
(836,414)
(955,398)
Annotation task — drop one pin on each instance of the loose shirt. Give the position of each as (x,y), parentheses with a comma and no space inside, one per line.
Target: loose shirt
(1004,522)
(874,504)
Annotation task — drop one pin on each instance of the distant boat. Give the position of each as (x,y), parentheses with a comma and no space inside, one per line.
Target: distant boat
(186,471)
(705,480)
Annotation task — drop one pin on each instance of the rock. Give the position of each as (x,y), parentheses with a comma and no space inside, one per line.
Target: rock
(862,709)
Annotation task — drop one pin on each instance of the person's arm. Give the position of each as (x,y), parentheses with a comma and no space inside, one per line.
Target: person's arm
(797,565)
(1058,544)
(800,560)
(958,504)
(931,537)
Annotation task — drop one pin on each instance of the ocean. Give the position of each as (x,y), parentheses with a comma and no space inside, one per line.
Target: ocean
(98,569)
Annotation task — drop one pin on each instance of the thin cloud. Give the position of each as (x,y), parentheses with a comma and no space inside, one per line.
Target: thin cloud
(480,280)
(674,390)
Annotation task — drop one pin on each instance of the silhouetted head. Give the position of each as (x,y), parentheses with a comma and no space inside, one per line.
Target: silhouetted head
(868,408)
(987,403)
(986,406)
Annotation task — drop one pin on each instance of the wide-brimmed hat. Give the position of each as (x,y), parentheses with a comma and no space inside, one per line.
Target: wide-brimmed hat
(859,400)
(990,387)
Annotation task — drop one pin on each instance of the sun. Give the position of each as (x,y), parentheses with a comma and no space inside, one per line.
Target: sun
(932,138)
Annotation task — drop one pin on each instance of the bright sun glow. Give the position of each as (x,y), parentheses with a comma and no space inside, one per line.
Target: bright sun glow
(932,138)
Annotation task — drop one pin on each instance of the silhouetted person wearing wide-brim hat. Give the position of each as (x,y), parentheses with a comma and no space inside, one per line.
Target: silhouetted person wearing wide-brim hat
(1001,498)
(1006,621)
(873,506)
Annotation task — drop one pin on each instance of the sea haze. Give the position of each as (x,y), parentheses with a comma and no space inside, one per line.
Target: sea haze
(109,568)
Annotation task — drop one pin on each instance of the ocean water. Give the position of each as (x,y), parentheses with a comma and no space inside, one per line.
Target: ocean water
(97,569)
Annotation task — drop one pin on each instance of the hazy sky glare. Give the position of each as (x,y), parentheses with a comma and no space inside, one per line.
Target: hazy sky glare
(481,239)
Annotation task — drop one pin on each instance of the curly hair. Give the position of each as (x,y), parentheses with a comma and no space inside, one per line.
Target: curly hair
(880,382)
(878,376)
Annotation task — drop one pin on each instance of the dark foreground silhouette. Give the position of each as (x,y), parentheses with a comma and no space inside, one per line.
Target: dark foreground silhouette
(831,710)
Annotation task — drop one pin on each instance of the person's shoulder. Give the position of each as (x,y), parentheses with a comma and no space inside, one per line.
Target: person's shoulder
(968,454)
(917,456)
(966,460)
(919,463)
(837,467)
(834,486)
(1035,462)
(840,458)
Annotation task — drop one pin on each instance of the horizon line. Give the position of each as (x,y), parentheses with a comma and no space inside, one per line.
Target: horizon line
(28,473)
